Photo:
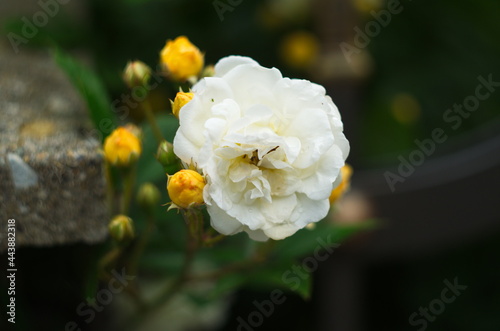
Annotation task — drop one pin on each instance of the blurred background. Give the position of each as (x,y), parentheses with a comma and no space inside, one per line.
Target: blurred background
(398,71)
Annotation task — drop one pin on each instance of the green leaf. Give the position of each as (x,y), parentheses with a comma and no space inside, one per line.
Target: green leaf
(282,275)
(304,287)
(286,271)
(228,283)
(305,241)
(162,261)
(92,90)
(231,250)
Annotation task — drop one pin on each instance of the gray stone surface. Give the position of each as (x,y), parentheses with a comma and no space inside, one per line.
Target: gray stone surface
(22,174)
(51,174)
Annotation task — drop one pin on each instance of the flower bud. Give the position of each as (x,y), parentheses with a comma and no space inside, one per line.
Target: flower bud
(148,196)
(122,147)
(311,226)
(345,172)
(181,99)
(136,73)
(165,154)
(208,71)
(121,228)
(134,129)
(299,49)
(185,188)
(181,59)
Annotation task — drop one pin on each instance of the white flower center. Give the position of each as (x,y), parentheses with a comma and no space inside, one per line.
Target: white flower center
(257,173)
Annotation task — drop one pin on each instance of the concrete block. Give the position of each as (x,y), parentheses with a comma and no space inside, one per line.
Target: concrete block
(51,168)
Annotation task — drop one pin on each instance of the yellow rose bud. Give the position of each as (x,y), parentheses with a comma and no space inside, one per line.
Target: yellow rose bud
(181,99)
(185,188)
(136,73)
(181,58)
(148,196)
(299,49)
(121,228)
(345,172)
(122,147)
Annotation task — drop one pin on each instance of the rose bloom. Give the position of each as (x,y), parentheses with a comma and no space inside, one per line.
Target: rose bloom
(271,148)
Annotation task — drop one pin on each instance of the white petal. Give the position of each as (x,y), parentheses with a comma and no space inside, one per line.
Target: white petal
(257,235)
(249,215)
(318,185)
(256,88)
(228,63)
(313,129)
(222,222)
(342,143)
(309,211)
(281,231)
(192,120)
(243,171)
(184,148)
(279,210)
(212,90)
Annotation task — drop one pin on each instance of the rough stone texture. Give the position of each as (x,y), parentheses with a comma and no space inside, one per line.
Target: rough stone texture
(51,176)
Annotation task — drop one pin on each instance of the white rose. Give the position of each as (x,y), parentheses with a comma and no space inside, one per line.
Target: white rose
(270,147)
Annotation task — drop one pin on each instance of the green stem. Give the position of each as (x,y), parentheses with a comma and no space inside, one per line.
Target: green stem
(141,244)
(260,255)
(264,250)
(216,274)
(128,188)
(105,264)
(146,106)
(193,218)
(110,189)
(109,257)
(210,241)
